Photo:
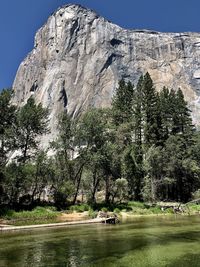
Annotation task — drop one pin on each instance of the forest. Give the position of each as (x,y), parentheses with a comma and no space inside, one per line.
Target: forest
(144,148)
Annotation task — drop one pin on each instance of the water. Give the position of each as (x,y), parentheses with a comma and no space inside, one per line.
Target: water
(144,242)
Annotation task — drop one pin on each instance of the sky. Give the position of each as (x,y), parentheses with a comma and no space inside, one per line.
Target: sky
(20,19)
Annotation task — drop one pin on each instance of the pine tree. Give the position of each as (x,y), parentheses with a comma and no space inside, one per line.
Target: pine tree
(122,102)
(165,112)
(150,110)
(184,123)
(138,115)
(137,151)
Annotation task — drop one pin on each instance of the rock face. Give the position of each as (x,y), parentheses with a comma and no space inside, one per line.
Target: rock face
(79,57)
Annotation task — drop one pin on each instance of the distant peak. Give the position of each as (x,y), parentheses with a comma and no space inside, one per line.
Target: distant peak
(76,8)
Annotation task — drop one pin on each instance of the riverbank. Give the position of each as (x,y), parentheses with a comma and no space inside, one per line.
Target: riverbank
(4,228)
(83,212)
(123,216)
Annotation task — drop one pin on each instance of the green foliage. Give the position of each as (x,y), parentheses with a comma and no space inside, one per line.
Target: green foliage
(92,214)
(122,103)
(150,111)
(31,122)
(194,207)
(136,204)
(104,209)
(120,189)
(7,119)
(38,213)
(142,148)
(80,208)
(6,213)
(116,210)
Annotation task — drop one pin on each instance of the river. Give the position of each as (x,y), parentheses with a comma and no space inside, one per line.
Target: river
(140,242)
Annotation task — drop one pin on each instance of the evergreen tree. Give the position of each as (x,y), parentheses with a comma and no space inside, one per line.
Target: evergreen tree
(138,117)
(122,103)
(150,110)
(166,113)
(137,149)
(184,121)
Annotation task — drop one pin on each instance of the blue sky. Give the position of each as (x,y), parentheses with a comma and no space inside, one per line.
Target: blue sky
(20,19)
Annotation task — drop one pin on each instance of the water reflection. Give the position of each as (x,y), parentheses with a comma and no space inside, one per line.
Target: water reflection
(142,242)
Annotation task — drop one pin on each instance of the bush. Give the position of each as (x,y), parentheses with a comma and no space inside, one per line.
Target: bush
(194,207)
(92,214)
(169,210)
(37,213)
(155,210)
(80,208)
(136,204)
(6,213)
(116,210)
(104,209)
(39,210)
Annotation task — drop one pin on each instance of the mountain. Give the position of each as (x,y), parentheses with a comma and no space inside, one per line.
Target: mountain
(79,57)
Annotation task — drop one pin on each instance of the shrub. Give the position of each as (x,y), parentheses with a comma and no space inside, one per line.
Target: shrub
(92,214)
(104,209)
(6,213)
(136,204)
(155,210)
(37,213)
(39,210)
(116,210)
(169,210)
(80,208)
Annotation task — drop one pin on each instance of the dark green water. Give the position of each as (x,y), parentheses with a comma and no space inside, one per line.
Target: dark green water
(144,242)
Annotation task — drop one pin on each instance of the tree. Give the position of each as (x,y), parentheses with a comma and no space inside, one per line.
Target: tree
(31,123)
(91,138)
(153,173)
(138,116)
(182,122)
(137,148)
(120,190)
(122,103)
(166,100)
(67,172)
(150,111)
(63,145)
(7,119)
(181,167)
(171,172)
(41,177)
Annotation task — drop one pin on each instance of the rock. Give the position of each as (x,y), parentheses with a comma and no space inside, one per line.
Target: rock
(102,214)
(79,57)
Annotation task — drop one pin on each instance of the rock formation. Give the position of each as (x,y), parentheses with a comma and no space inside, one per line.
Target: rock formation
(79,57)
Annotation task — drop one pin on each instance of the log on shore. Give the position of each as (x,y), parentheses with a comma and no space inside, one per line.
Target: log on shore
(4,228)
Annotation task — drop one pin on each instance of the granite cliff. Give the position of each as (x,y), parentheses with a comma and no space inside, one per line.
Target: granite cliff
(79,57)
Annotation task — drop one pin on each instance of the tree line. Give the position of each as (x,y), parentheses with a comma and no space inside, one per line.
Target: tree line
(144,147)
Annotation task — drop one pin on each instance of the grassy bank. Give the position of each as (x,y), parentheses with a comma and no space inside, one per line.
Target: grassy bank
(39,215)
(44,215)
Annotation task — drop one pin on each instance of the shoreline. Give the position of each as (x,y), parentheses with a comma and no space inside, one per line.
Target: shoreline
(122,216)
(35,226)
